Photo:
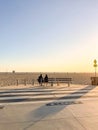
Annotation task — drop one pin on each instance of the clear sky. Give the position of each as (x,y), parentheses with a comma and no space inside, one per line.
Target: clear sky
(48,35)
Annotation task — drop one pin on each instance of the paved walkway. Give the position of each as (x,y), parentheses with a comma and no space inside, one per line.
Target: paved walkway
(74,108)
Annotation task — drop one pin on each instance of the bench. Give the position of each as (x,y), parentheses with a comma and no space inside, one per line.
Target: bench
(60,80)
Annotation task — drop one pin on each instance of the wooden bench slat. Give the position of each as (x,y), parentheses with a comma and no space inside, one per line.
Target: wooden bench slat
(60,79)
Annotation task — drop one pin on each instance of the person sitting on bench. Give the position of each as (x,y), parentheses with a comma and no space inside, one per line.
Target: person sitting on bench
(46,79)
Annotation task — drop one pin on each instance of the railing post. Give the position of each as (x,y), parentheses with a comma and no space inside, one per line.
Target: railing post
(33,82)
(25,82)
(17,82)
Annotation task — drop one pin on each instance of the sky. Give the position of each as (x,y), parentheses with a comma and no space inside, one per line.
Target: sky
(48,35)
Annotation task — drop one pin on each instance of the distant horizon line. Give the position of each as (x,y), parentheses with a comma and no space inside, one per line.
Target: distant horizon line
(43,72)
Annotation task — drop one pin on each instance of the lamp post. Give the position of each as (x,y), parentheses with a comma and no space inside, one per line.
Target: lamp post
(95,65)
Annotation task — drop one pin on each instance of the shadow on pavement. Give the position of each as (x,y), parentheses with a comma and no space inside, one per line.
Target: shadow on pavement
(42,112)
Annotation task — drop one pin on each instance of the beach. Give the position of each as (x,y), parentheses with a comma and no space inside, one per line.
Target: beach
(9,78)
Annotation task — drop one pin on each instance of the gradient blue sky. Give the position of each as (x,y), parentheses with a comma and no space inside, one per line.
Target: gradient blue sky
(48,35)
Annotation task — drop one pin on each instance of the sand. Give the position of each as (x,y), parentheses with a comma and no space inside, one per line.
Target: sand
(12,79)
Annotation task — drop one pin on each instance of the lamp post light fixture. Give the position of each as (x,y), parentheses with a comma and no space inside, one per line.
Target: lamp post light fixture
(95,66)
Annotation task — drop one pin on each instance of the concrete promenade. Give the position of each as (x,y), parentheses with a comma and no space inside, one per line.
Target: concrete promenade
(47,108)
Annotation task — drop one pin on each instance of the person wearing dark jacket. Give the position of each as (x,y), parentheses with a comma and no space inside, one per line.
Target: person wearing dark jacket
(46,79)
(40,79)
